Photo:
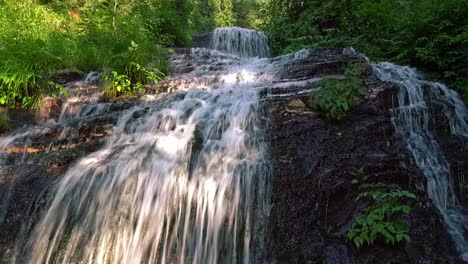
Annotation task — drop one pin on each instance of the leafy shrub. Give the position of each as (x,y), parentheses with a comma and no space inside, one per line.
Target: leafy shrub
(118,84)
(380,220)
(337,97)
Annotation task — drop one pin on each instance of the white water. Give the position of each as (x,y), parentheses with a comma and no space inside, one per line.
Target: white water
(411,119)
(241,42)
(181,180)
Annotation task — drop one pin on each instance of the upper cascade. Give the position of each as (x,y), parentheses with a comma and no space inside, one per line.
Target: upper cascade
(241,42)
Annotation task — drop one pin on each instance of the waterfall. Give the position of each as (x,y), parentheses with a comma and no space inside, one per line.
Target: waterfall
(241,42)
(411,120)
(183,178)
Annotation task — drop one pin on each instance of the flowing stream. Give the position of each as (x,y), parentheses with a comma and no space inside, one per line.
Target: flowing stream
(182,179)
(411,119)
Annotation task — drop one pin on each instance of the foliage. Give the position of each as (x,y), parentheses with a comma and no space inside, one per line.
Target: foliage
(337,96)
(119,84)
(22,87)
(205,15)
(381,219)
(249,13)
(39,39)
(430,35)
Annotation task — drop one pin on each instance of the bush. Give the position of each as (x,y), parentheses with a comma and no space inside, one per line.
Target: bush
(119,84)
(336,97)
(381,219)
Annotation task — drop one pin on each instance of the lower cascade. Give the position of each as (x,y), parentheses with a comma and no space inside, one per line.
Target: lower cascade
(185,176)
(411,119)
(183,179)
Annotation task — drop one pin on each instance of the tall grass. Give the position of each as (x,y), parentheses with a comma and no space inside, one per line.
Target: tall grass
(36,40)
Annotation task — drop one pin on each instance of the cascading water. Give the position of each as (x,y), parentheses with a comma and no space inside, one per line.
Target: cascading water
(411,120)
(182,179)
(241,42)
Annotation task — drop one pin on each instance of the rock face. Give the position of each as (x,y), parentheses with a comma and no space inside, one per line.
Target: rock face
(313,198)
(202,40)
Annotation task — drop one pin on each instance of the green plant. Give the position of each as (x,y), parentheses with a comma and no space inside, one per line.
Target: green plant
(118,84)
(136,76)
(26,89)
(381,218)
(337,96)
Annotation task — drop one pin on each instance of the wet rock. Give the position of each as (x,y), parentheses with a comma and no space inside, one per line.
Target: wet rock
(296,103)
(337,255)
(66,76)
(371,108)
(202,40)
(313,199)
(50,109)
(21,117)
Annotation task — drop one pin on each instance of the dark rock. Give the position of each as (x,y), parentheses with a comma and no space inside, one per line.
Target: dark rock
(66,76)
(337,255)
(21,117)
(313,199)
(202,40)
(371,108)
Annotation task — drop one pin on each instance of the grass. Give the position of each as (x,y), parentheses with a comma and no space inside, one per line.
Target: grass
(36,40)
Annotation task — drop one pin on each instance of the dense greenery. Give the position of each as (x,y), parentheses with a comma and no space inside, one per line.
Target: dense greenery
(430,35)
(381,219)
(38,39)
(337,96)
(126,37)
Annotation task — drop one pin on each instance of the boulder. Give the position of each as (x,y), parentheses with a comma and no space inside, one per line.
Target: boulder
(66,76)
(50,109)
(202,40)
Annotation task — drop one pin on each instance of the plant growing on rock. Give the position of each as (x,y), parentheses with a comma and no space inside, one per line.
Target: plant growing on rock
(337,96)
(382,218)
(130,82)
